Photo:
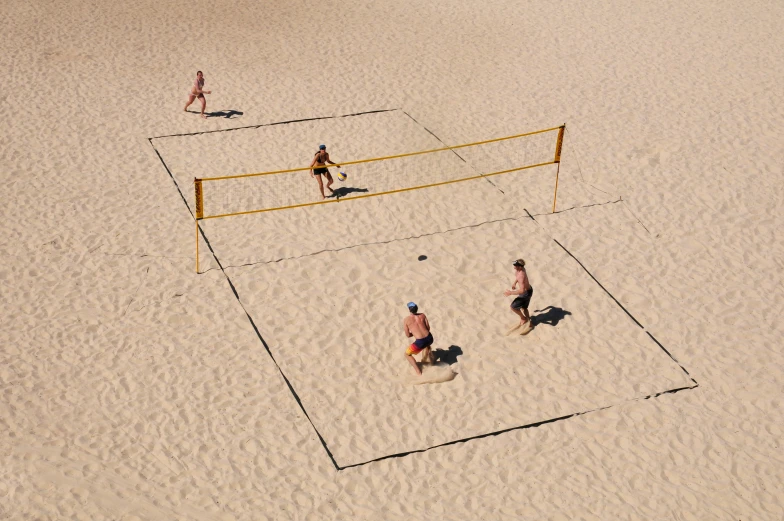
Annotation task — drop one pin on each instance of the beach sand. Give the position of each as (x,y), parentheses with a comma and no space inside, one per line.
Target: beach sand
(273,384)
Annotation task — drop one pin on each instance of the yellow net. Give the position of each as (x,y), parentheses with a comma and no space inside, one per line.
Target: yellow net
(241,194)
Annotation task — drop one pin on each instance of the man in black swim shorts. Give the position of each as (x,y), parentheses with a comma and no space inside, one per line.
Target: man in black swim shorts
(522,290)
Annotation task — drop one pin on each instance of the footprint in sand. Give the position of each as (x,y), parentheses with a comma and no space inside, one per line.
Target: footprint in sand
(518,330)
(439,372)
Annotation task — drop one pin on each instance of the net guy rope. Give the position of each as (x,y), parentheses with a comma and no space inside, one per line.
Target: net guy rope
(199,188)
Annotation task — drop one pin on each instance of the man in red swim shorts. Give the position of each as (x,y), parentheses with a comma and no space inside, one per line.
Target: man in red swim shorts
(416,325)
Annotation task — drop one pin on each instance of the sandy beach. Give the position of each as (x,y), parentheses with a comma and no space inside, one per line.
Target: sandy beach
(272,385)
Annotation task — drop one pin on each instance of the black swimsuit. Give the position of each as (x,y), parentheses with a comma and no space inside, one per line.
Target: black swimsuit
(523,299)
(320,170)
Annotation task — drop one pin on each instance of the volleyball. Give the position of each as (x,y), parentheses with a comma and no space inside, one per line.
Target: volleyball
(342,175)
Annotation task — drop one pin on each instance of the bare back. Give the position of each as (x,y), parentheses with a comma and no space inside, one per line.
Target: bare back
(416,325)
(521,277)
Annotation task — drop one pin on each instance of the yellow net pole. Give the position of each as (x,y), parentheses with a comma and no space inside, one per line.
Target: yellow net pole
(559,143)
(557,160)
(197,246)
(199,196)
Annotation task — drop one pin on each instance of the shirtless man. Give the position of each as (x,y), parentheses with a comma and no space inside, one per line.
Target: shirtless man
(522,290)
(197,91)
(416,325)
(319,167)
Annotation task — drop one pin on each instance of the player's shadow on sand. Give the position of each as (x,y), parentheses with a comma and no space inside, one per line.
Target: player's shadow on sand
(448,356)
(343,191)
(550,315)
(228,114)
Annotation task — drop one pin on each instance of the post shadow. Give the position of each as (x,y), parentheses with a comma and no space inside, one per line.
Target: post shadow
(550,315)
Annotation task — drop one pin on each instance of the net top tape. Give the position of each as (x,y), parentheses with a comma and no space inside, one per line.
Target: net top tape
(302,169)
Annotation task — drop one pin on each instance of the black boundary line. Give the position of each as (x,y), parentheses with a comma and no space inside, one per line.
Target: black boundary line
(582,179)
(442,142)
(522,427)
(275,123)
(432,134)
(627,311)
(620,200)
(269,352)
(453,442)
(673,358)
(331,250)
(250,319)
(630,316)
(599,283)
(184,200)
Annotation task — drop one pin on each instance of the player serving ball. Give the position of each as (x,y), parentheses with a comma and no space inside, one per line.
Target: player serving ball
(319,168)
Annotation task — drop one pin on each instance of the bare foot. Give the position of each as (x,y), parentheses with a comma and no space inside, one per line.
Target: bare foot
(203,116)
(527,328)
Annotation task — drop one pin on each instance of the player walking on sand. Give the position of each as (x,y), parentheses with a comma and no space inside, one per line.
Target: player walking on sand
(416,325)
(197,91)
(319,167)
(522,290)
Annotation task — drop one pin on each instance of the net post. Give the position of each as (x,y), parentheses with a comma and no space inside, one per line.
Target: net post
(197,246)
(559,143)
(557,161)
(199,196)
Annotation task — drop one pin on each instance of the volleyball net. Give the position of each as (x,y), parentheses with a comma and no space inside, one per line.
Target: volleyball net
(242,194)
